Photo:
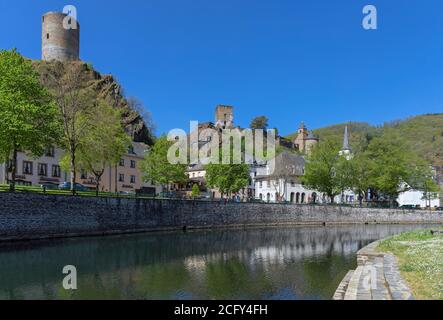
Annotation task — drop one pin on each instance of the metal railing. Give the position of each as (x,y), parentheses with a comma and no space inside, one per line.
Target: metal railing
(92,193)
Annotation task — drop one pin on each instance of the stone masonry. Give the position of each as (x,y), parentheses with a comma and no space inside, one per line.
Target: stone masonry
(377,277)
(34,216)
(59,43)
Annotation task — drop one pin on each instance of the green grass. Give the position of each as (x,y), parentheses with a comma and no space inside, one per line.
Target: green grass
(420,256)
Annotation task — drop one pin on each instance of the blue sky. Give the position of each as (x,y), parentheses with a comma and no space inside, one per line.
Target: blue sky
(293,61)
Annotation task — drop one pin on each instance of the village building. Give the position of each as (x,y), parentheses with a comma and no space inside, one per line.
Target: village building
(305,140)
(410,198)
(46,171)
(126,176)
(224,119)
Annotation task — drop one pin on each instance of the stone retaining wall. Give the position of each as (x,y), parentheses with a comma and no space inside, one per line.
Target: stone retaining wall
(377,277)
(34,216)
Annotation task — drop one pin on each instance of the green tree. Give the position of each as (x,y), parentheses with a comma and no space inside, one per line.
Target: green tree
(102,144)
(423,178)
(29,118)
(260,122)
(394,167)
(76,102)
(321,169)
(360,177)
(227,178)
(195,191)
(156,167)
(430,190)
(344,173)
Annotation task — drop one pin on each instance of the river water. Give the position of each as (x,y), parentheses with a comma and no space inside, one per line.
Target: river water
(258,263)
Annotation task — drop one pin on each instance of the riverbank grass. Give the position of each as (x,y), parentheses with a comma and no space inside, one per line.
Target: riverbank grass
(420,257)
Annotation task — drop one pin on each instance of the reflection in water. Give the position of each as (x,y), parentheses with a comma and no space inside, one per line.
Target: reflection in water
(265,263)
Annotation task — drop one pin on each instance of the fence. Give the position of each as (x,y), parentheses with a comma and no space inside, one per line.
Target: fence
(92,193)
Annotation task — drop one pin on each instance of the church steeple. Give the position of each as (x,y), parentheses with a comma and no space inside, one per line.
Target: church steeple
(346,150)
(346,140)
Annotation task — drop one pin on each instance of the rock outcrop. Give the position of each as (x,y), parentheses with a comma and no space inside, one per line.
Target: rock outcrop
(108,89)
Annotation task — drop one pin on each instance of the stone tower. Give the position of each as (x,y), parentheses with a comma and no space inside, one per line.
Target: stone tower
(305,140)
(60,43)
(224,117)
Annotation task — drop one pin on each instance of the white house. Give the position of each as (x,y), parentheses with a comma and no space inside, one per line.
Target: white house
(418,198)
(279,180)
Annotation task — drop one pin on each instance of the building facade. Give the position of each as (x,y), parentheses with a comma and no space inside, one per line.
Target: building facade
(416,198)
(126,177)
(280,181)
(305,140)
(31,171)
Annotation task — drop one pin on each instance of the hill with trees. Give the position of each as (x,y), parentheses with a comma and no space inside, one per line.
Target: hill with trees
(423,133)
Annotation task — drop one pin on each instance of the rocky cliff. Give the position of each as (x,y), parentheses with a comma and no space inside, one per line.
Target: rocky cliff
(107,88)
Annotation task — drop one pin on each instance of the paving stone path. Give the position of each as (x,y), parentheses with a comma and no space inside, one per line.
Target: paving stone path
(376,278)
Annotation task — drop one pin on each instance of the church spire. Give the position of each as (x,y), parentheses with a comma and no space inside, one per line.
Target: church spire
(346,140)
(346,151)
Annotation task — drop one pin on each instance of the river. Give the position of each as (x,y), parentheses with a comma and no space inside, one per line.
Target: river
(290,262)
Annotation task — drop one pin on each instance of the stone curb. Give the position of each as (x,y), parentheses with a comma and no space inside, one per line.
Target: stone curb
(377,277)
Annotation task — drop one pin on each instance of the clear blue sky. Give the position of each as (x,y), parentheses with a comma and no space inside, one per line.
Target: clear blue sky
(294,60)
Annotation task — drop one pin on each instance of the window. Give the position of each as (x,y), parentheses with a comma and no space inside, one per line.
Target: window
(47,36)
(42,169)
(121,177)
(27,167)
(50,152)
(55,171)
(83,175)
(122,162)
(131,150)
(133,164)
(132,179)
(260,184)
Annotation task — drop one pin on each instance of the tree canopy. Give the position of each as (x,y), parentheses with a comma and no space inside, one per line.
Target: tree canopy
(321,170)
(382,164)
(102,144)
(227,178)
(156,167)
(29,118)
(260,122)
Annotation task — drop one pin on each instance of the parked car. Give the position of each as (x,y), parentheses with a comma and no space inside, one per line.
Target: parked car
(77,186)
(170,195)
(49,186)
(408,206)
(127,193)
